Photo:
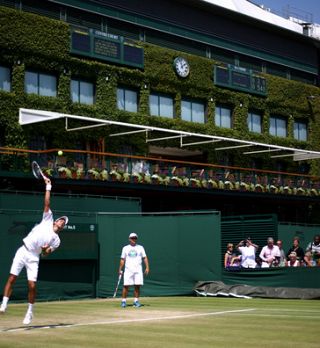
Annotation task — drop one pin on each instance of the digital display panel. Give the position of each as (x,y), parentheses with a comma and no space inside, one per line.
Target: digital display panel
(80,41)
(239,79)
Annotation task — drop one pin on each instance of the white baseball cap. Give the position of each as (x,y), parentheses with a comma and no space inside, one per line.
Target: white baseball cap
(133,235)
(65,218)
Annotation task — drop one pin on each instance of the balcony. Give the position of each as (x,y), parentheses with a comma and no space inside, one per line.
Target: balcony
(128,170)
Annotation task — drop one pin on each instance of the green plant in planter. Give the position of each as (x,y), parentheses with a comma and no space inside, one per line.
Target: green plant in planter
(47,171)
(65,172)
(176,181)
(228,185)
(147,178)
(243,186)
(258,188)
(272,189)
(115,175)
(104,175)
(211,183)
(287,190)
(166,180)
(94,173)
(126,177)
(137,177)
(156,179)
(194,182)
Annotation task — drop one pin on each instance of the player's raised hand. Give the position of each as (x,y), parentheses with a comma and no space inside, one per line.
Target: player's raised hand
(47,180)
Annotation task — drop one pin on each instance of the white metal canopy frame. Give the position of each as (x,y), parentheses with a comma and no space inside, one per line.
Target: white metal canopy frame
(29,116)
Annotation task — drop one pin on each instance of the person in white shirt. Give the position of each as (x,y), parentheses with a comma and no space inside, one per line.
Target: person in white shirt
(43,239)
(248,253)
(270,254)
(131,257)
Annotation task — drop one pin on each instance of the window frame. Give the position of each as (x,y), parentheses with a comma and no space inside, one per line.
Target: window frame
(300,122)
(192,102)
(251,123)
(79,81)
(221,107)
(128,89)
(38,86)
(278,118)
(3,81)
(159,96)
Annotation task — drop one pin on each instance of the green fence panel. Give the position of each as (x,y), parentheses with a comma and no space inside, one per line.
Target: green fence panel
(292,277)
(180,248)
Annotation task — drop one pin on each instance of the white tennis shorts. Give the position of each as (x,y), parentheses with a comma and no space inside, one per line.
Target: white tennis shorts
(132,278)
(27,259)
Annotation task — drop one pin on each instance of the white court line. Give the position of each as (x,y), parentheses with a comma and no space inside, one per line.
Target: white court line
(126,321)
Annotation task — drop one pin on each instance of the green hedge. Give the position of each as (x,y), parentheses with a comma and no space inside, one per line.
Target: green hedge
(32,41)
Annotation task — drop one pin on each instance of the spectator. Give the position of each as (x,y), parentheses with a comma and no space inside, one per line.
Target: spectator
(282,262)
(314,248)
(309,260)
(230,258)
(293,260)
(270,254)
(297,249)
(248,253)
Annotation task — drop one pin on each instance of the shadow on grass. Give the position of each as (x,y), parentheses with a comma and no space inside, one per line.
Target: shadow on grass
(32,327)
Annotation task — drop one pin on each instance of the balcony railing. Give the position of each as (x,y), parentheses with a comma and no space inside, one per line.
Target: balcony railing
(90,165)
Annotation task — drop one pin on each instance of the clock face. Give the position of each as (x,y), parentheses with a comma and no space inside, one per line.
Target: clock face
(181,66)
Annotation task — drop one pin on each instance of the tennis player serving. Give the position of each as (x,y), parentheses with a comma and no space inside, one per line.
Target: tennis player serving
(131,257)
(43,239)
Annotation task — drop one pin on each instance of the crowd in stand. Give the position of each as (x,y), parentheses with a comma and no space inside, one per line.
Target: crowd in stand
(272,254)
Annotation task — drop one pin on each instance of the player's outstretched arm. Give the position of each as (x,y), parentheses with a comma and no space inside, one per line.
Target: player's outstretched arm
(47,195)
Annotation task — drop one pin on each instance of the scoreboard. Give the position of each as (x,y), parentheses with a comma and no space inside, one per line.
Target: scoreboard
(107,47)
(239,79)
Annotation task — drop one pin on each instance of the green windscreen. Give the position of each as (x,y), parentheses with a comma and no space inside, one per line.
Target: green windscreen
(180,248)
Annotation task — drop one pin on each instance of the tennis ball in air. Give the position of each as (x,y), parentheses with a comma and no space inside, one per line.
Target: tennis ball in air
(60,153)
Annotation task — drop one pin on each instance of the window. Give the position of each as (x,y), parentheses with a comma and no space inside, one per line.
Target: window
(5,81)
(254,122)
(127,100)
(223,117)
(278,126)
(192,111)
(300,130)
(161,105)
(82,92)
(41,84)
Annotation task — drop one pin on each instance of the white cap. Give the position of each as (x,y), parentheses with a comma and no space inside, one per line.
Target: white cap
(65,218)
(133,235)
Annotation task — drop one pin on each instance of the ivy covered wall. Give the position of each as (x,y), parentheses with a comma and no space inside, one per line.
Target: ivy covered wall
(29,41)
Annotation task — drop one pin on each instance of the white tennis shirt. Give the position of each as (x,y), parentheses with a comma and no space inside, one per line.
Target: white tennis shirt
(133,255)
(42,234)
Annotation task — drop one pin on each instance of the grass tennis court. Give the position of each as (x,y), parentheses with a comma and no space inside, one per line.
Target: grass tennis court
(165,322)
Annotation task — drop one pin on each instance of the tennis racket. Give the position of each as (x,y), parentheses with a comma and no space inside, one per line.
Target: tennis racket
(36,170)
(117,287)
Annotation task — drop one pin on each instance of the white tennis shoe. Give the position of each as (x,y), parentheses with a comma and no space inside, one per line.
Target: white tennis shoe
(28,318)
(3,309)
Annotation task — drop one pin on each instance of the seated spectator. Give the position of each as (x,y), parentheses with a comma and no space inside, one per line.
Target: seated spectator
(230,258)
(282,261)
(247,250)
(297,249)
(293,260)
(270,254)
(309,260)
(314,248)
